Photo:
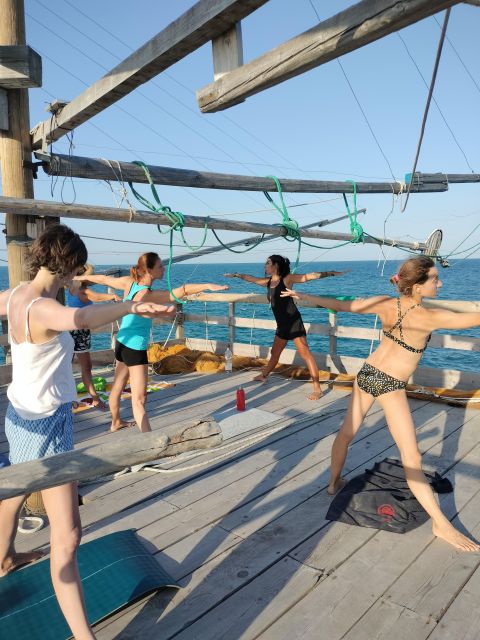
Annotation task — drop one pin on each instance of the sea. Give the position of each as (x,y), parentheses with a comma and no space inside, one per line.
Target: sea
(363,278)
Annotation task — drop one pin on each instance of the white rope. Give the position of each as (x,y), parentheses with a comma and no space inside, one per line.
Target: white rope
(246,442)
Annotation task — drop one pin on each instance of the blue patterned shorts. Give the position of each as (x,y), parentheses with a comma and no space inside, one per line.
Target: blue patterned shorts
(33,439)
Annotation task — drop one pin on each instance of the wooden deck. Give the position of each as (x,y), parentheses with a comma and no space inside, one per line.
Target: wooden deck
(247,538)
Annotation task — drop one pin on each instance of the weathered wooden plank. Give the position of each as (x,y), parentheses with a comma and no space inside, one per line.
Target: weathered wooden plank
(346,595)
(3,110)
(213,581)
(251,610)
(20,67)
(356,26)
(25,207)
(102,169)
(86,463)
(462,619)
(202,22)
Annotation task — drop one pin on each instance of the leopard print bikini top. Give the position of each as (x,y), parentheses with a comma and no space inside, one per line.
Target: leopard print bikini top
(398,324)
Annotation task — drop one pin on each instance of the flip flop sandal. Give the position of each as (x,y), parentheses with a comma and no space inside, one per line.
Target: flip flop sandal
(30,524)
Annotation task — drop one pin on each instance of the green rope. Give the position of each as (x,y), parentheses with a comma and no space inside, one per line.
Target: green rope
(356,228)
(176,219)
(225,246)
(291,226)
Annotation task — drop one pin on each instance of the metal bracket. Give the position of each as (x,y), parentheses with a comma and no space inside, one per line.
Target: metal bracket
(28,164)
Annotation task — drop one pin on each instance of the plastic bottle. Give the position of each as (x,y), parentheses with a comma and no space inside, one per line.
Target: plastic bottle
(240,399)
(228,360)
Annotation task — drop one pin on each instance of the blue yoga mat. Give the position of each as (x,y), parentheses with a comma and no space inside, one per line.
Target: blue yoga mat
(116,570)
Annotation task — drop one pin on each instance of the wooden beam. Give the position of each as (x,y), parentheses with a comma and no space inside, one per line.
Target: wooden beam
(203,22)
(346,31)
(475,3)
(26,207)
(227,51)
(3,110)
(20,67)
(97,460)
(113,170)
(250,240)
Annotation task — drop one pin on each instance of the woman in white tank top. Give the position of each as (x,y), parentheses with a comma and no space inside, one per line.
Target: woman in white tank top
(39,418)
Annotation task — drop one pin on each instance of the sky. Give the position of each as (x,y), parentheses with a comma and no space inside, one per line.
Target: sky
(311,126)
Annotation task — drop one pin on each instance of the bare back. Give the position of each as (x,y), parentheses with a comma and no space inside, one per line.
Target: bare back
(391,357)
(22,297)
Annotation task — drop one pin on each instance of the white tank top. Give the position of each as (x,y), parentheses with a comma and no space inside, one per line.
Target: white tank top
(42,377)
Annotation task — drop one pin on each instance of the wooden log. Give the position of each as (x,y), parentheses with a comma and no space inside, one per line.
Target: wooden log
(348,30)
(200,24)
(15,151)
(97,460)
(3,110)
(113,170)
(20,67)
(26,207)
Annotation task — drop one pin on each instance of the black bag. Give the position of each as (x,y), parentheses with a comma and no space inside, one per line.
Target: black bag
(380,498)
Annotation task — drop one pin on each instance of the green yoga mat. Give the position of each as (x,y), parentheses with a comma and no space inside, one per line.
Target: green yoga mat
(115,570)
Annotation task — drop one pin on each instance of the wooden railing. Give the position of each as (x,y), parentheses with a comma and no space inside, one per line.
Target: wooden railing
(330,328)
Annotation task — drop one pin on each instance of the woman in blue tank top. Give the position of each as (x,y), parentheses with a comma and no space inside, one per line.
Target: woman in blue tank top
(133,337)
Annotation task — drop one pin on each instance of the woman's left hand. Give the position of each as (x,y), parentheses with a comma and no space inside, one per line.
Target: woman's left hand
(289,293)
(152,310)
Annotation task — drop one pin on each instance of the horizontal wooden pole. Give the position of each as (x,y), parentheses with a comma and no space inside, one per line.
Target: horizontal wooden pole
(204,21)
(346,31)
(97,460)
(114,170)
(28,207)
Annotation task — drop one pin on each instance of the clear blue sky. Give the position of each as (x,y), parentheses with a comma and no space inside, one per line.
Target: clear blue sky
(307,127)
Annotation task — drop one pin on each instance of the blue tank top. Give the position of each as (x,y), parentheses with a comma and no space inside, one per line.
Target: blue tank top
(75,302)
(134,331)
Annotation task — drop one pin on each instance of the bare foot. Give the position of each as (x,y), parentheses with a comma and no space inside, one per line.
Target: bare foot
(337,486)
(122,425)
(19,560)
(315,395)
(261,378)
(451,535)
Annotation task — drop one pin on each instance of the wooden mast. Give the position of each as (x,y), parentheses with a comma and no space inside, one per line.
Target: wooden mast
(17,180)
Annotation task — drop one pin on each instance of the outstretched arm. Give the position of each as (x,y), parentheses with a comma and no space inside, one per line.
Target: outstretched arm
(443,319)
(262,282)
(375,304)
(108,281)
(162,297)
(52,315)
(297,278)
(94,296)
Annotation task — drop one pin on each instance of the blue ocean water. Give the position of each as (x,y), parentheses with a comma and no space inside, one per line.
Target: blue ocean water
(460,282)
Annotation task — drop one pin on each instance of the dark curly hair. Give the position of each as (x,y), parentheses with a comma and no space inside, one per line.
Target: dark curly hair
(283,264)
(58,249)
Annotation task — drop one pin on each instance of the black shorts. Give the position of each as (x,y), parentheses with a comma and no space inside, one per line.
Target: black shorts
(130,357)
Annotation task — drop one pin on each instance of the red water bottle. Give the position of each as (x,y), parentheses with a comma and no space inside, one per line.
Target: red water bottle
(240,399)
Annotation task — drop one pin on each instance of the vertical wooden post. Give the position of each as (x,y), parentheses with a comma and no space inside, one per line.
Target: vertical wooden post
(180,330)
(332,321)
(231,324)
(15,149)
(227,51)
